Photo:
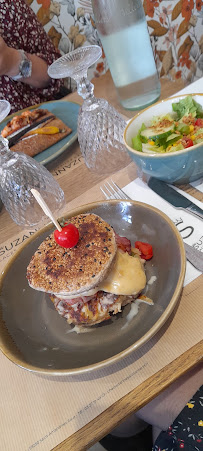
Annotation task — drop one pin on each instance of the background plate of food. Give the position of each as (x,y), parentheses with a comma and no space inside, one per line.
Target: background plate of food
(68,311)
(43,132)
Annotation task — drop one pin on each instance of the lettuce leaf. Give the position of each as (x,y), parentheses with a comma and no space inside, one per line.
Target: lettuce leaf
(187,106)
(175,148)
(147,148)
(199,132)
(137,140)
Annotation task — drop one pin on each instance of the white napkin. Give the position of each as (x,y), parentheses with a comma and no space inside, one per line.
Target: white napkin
(193,88)
(188,225)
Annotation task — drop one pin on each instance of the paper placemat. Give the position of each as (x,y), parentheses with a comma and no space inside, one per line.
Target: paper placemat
(192,88)
(188,225)
(43,411)
(39,412)
(198,184)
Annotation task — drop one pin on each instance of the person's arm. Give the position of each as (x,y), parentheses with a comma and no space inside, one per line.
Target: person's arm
(10,61)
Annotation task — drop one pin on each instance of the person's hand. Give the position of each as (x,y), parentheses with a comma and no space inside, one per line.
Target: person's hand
(9,59)
(9,65)
(3,51)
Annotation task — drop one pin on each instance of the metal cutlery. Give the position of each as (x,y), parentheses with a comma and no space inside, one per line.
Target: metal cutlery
(112,191)
(174,198)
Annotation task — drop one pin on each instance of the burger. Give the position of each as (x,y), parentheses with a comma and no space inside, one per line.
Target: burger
(93,280)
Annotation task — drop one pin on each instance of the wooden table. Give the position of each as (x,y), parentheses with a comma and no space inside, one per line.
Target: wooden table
(79,185)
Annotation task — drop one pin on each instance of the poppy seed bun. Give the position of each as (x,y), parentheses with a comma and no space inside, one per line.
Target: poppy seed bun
(57,270)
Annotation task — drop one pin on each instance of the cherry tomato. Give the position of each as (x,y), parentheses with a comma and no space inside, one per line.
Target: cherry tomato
(145,249)
(68,237)
(187,142)
(199,122)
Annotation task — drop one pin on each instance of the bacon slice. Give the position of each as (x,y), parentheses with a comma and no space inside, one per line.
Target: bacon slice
(123,243)
(80,300)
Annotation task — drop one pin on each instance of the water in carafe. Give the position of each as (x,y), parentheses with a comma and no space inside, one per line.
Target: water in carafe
(122,27)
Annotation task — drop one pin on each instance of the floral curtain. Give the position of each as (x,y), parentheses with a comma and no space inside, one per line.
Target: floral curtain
(176,31)
(175,28)
(69,24)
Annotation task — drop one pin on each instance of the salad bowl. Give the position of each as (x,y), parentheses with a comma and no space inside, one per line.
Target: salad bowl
(175,167)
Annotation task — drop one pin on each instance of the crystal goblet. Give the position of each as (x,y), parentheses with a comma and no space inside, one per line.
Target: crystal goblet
(100,126)
(4,109)
(19,173)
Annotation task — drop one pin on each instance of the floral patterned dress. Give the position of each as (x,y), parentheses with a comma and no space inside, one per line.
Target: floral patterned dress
(186,432)
(21,30)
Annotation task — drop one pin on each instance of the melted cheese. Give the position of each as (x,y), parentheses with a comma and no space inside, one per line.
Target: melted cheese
(126,277)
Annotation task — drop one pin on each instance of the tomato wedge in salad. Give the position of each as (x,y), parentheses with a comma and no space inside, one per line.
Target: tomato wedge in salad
(186,142)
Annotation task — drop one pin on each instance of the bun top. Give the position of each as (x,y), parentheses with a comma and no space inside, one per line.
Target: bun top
(57,270)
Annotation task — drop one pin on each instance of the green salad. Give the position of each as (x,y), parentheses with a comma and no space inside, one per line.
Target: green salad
(181,128)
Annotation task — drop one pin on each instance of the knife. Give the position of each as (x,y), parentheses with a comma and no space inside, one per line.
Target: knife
(13,139)
(174,198)
(194,256)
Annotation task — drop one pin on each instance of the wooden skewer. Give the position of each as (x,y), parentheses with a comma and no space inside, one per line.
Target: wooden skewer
(45,208)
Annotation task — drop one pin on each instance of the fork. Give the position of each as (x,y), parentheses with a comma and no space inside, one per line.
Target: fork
(111,190)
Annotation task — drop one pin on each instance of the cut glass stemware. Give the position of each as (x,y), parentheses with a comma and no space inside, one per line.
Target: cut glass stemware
(19,173)
(100,126)
(4,109)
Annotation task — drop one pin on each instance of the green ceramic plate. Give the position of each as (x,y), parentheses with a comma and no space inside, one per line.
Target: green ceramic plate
(34,336)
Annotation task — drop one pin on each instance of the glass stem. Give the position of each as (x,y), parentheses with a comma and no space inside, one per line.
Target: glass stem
(85,88)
